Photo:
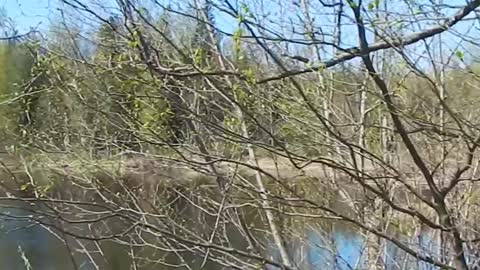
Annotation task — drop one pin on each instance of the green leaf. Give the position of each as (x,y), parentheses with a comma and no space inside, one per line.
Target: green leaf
(237,34)
(459,55)
(249,75)
(133,44)
(142,11)
(373,4)
(198,56)
(244,8)
(24,187)
(240,18)
(352,4)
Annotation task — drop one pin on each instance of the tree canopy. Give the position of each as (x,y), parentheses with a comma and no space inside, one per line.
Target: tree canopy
(218,134)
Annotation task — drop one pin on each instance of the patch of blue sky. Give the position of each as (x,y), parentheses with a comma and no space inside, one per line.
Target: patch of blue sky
(282,17)
(28,14)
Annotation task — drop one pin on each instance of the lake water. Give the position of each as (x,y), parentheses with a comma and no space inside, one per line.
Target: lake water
(25,245)
(29,246)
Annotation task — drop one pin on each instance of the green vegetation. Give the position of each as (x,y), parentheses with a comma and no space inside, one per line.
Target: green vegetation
(181,129)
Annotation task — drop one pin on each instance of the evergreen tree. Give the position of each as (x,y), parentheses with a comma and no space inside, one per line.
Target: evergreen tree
(120,91)
(18,97)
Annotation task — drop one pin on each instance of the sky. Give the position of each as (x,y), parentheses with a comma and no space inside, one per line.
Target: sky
(28,13)
(38,14)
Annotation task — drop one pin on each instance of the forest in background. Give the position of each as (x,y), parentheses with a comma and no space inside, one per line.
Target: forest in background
(229,108)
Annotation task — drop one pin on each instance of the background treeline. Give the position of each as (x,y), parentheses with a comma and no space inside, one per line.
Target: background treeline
(238,110)
(71,92)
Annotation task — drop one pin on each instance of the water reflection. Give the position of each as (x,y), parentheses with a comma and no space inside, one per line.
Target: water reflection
(343,251)
(29,246)
(23,243)
(335,246)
